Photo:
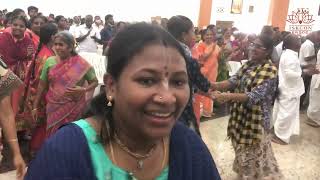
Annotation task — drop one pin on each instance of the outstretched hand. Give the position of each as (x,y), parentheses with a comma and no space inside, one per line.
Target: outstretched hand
(218,96)
(20,166)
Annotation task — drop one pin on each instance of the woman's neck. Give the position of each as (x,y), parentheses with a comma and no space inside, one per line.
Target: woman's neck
(50,45)
(19,37)
(64,58)
(132,139)
(208,42)
(136,143)
(260,61)
(36,33)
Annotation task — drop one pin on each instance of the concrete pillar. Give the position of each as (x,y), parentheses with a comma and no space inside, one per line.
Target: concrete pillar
(278,13)
(204,13)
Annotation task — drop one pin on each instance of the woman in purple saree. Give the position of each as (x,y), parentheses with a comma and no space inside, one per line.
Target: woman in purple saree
(63,79)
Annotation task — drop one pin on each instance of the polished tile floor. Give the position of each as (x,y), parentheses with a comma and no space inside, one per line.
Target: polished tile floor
(298,161)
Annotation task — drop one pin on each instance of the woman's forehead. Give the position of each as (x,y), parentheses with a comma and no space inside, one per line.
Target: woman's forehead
(158,56)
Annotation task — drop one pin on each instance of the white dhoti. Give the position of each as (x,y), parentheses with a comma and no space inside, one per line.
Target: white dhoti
(313,111)
(286,117)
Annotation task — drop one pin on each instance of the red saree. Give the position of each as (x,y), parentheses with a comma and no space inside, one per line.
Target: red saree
(62,109)
(39,133)
(35,38)
(15,55)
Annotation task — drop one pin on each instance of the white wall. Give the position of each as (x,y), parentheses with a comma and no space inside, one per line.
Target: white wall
(245,22)
(123,10)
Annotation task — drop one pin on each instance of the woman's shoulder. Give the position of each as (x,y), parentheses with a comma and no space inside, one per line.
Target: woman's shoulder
(45,52)
(184,136)
(8,80)
(3,67)
(67,136)
(51,60)
(62,155)
(190,154)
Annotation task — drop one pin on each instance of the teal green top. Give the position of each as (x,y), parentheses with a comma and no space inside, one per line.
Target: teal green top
(103,167)
(51,61)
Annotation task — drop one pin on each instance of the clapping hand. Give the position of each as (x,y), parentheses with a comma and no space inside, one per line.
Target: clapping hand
(30,51)
(318,68)
(311,69)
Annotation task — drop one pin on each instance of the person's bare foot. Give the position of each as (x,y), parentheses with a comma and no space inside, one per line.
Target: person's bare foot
(312,123)
(277,140)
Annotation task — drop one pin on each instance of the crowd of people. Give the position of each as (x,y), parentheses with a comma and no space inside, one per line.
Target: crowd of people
(161,79)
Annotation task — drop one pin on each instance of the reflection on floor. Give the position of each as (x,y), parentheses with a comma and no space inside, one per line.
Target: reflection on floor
(300,160)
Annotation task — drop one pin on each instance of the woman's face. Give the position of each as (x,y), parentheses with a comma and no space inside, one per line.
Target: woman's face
(208,37)
(227,34)
(189,37)
(35,27)
(62,24)
(121,26)
(257,51)
(18,28)
(62,49)
(151,92)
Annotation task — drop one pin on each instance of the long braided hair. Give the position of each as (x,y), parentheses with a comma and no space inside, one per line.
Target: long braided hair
(47,31)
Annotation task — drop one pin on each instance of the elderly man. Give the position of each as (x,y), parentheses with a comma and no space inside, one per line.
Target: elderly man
(88,36)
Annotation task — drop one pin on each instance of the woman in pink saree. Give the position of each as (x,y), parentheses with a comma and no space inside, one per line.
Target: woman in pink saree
(63,78)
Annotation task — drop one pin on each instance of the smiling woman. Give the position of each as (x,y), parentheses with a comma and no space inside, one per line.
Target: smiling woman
(131,129)
(17,50)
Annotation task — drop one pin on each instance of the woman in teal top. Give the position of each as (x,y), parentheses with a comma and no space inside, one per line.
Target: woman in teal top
(103,166)
(130,130)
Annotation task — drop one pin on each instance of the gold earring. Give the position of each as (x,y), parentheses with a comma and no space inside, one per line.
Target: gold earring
(109,101)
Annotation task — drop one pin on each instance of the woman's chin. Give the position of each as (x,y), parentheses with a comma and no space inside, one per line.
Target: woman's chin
(159,132)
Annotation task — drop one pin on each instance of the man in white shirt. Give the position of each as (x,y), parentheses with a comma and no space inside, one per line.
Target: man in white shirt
(286,108)
(88,36)
(74,29)
(279,49)
(313,111)
(98,24)
(308,58)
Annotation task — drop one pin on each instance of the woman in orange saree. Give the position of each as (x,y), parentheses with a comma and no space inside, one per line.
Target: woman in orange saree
(45,50)
(62,79)
(208,52)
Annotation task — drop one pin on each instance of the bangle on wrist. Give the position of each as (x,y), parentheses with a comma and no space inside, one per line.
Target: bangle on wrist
(34,109)
(226,97)
(13,140)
